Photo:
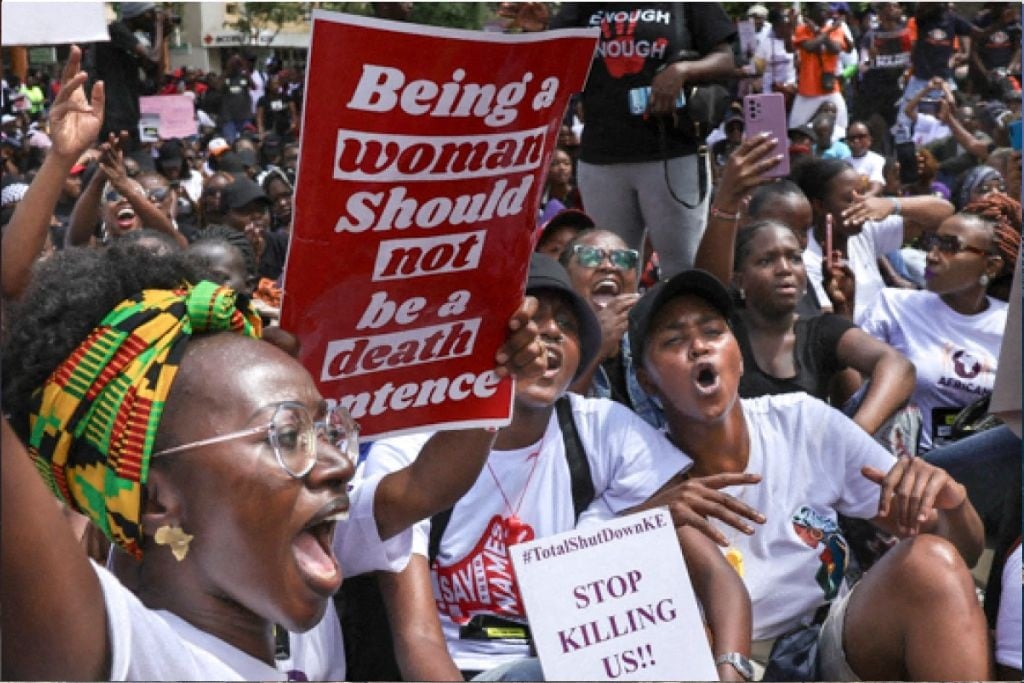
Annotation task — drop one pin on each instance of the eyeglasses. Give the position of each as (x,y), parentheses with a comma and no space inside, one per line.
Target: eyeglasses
(157,194)
(592,257)
(947,244)
(293,434)
(113,196)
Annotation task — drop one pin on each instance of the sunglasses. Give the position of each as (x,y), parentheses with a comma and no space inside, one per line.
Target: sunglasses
(113,196)
(157,194)
(947,244)
(592,257)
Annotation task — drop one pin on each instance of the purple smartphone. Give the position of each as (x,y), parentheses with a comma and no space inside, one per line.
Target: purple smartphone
(767,112)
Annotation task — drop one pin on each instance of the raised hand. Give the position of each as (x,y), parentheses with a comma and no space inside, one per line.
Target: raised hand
(745,168)
(912,493)
(523,354)
(614,319)
(840,283)
(74,122)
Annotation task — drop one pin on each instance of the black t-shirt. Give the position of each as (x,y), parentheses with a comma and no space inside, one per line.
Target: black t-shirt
(118,65)
(997,49)
(635,41)
(277,116)
(236,104)
(817,339)
(934,45)
(274,251)
(892,57)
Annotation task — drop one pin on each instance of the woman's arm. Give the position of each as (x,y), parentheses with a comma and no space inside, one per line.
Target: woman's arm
(74,125)
(54,618)
(892,376)
(919,212)
(86,213)
(451,461)
(420,649)
(743,172)
(722,594)
(716,65)
(917,497)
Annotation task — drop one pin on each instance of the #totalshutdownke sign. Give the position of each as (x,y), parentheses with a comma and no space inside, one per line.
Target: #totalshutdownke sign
(422,158)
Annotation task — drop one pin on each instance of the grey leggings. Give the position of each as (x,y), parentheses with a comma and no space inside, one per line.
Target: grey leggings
(627,198)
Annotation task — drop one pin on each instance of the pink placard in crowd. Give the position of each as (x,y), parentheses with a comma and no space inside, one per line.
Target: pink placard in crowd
(177,114)
(422,160)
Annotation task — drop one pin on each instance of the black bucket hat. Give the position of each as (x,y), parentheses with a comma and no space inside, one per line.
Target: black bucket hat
(547,274)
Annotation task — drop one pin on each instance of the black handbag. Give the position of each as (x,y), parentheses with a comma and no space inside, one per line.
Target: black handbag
(794,655)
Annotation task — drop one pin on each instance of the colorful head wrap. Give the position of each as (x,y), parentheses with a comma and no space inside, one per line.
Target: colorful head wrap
(92,434)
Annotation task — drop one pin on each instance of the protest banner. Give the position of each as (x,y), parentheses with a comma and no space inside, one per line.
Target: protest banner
(421,164)
(176,114)
(52,23)
(614,603)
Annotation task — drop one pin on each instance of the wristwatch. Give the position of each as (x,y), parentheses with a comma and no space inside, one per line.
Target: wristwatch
(738,662)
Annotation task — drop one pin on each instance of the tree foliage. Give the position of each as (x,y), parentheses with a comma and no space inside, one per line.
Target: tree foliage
(257,18)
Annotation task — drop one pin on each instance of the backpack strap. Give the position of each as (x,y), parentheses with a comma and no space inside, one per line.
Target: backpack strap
(579,474)
(579,467)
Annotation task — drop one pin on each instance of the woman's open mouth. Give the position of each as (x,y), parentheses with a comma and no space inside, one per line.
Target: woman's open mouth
(313,549)
(706,378)
(554,355)
(126,218)
(606,289)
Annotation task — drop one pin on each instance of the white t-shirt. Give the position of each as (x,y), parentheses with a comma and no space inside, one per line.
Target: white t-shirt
(809,456)
(955,355)
(1008,635)
(928,128)
(156,645)
(629,460)
(320,652)
(777,61)
(871,165)
(862,252)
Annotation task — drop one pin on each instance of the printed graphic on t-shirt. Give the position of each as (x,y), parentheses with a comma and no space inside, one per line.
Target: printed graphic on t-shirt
(938,37)
(483,582)
(967,371)
(621,49)
(814,530)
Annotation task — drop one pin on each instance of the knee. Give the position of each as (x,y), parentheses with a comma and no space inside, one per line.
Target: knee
(928,567)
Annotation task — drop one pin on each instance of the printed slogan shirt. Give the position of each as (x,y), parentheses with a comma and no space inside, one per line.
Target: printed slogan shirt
(473,575)
(954,355)
(636,42)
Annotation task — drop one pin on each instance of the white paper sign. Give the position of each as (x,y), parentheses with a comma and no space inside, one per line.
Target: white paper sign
(50,23)
(613,602)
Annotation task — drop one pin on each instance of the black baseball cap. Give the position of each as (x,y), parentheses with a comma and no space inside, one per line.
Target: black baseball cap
(241,193)
(547,274)
(698,282)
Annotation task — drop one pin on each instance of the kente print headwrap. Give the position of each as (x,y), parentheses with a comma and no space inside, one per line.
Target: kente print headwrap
(95,419)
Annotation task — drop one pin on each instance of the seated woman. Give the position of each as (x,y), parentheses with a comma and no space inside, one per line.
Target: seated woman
(864,228)
(953,330)
(207,455)
(604,271)
(527,493)
(784,351)
(898,621)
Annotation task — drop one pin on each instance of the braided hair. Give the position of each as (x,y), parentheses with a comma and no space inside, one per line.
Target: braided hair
(1003,213)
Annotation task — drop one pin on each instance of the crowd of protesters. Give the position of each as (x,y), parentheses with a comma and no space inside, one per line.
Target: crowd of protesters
(803,367)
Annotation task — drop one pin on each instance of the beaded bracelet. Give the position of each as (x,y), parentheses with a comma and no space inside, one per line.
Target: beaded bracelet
(725,216)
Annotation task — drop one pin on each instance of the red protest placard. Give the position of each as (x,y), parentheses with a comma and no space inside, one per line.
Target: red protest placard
(421,165)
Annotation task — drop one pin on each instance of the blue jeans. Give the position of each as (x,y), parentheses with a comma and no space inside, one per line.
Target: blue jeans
(988,464)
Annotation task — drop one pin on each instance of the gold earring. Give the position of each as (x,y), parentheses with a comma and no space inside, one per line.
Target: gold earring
(176,538)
